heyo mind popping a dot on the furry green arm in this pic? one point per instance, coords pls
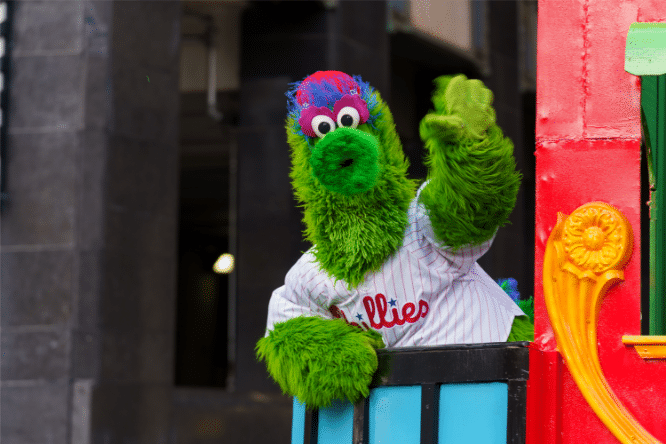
(472, 179)
(319, 360)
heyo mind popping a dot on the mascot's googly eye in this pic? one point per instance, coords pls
(353, 106)
(348, 117)
(322, 125)
(310, 127)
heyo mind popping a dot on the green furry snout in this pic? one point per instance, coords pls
(346, 161)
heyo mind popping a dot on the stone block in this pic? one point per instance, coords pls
(34, 355)
(90, 289)
(46, 91)
(138, 292)
(144, 124)
(98, 93)
(137, 356)
(132, 413)
(81, 419)
(138, 86)
(46, 26)
(147, 34)
(92, 189)
(41, 183)
(34, 414)
(145, 102)
(36, 287)
(86, 354)
(97, 16)
(143, 176)
(151, 236)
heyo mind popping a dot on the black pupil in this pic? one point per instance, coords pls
(324, 127)
(347, 120)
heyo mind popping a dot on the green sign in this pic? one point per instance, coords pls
(645, 53)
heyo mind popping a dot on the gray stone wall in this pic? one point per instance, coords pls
(88, 235)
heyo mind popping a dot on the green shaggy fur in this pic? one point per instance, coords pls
(473, 185)
(353, 235)
(320, 360)
(527, 305)
(522, 329)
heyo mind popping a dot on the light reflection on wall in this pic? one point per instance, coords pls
(224, 264)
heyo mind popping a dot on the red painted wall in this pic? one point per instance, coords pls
(588, 149)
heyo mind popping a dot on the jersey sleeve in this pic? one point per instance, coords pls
(303, 294)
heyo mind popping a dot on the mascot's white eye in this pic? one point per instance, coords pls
(322, 125)
(348, 117)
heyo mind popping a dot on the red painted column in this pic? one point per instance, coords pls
(589, 149)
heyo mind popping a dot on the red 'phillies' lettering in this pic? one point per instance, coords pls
(378, 306)
(338, 314)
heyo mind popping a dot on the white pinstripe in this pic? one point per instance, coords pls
(466, 306)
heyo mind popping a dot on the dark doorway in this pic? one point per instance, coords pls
(202, 330)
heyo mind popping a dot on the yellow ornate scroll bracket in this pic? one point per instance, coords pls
(584, 257)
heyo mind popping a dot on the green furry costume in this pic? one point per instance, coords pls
(350, 175)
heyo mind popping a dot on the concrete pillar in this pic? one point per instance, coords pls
(89, 234)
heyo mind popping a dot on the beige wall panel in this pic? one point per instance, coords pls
(447, 20)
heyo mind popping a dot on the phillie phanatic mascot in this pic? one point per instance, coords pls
(390, 265)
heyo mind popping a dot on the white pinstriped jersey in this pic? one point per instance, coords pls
(423, 295)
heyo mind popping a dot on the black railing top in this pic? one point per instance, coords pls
(452, 363)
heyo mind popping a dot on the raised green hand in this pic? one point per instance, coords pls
(463, 108)
(472, 174)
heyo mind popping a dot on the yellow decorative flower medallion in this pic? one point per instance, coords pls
(597, 237)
